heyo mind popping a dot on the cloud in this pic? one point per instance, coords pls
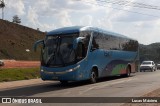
(129, 13)
(103, 23)
(64, 19)
(86, 20)
(60, 11)
(34, 20)
(15, 6)
(74, 5)
(32, 16)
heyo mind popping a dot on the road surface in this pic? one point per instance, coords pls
(137, 85)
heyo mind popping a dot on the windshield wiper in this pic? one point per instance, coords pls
(53, 54)
(60, 53)
(56, 52)
(50, 57)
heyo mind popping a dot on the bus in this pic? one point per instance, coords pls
(86, 53)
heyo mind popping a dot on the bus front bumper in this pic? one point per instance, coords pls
(69, 75)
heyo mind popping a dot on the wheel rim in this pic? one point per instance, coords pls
(93, 76)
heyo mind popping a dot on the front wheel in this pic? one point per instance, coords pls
(93, 78)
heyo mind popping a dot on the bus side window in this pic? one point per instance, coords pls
(94, 44)
(129, 45)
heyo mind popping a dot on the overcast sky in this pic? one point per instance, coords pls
(121, 16)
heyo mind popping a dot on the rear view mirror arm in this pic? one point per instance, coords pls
(38, 43)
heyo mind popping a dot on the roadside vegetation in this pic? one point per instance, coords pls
(18, 74)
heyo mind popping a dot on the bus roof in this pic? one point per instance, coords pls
(76, 29)
(65, 30)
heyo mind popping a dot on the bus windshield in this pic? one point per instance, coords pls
(58, 50)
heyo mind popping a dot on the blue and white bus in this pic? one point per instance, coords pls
(86, 53)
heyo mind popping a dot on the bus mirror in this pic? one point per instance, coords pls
(76, 41)
(38, 43)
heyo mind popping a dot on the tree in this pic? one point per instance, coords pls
(158, 52)
(2, 5)
(16, 19)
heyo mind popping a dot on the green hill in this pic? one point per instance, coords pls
(150, 52)
(15, 39)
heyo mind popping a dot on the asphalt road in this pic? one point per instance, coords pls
(137, 85)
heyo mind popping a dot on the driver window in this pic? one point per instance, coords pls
(81, 51)
(95, 45)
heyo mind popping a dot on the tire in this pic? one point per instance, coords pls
(93, 78)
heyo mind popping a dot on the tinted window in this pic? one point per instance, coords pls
(107, 42)
(128, 45)
(96, 42)
(112, 43)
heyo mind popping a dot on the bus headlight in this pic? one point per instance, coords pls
(73, 69)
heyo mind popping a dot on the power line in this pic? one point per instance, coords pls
(131, 4)
(121, 9)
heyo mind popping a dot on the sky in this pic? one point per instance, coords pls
(132, 18)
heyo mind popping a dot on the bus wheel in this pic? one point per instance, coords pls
(93, 78)
(63, 82)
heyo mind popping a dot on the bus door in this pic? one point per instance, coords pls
(81, 55)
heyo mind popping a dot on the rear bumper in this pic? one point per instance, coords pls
(146, 68)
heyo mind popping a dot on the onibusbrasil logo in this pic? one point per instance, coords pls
(21, 100)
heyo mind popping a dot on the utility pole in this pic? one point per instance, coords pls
(2, 5)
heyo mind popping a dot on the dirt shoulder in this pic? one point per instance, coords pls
(20, 64)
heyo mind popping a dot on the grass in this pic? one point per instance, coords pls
(15, 74)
